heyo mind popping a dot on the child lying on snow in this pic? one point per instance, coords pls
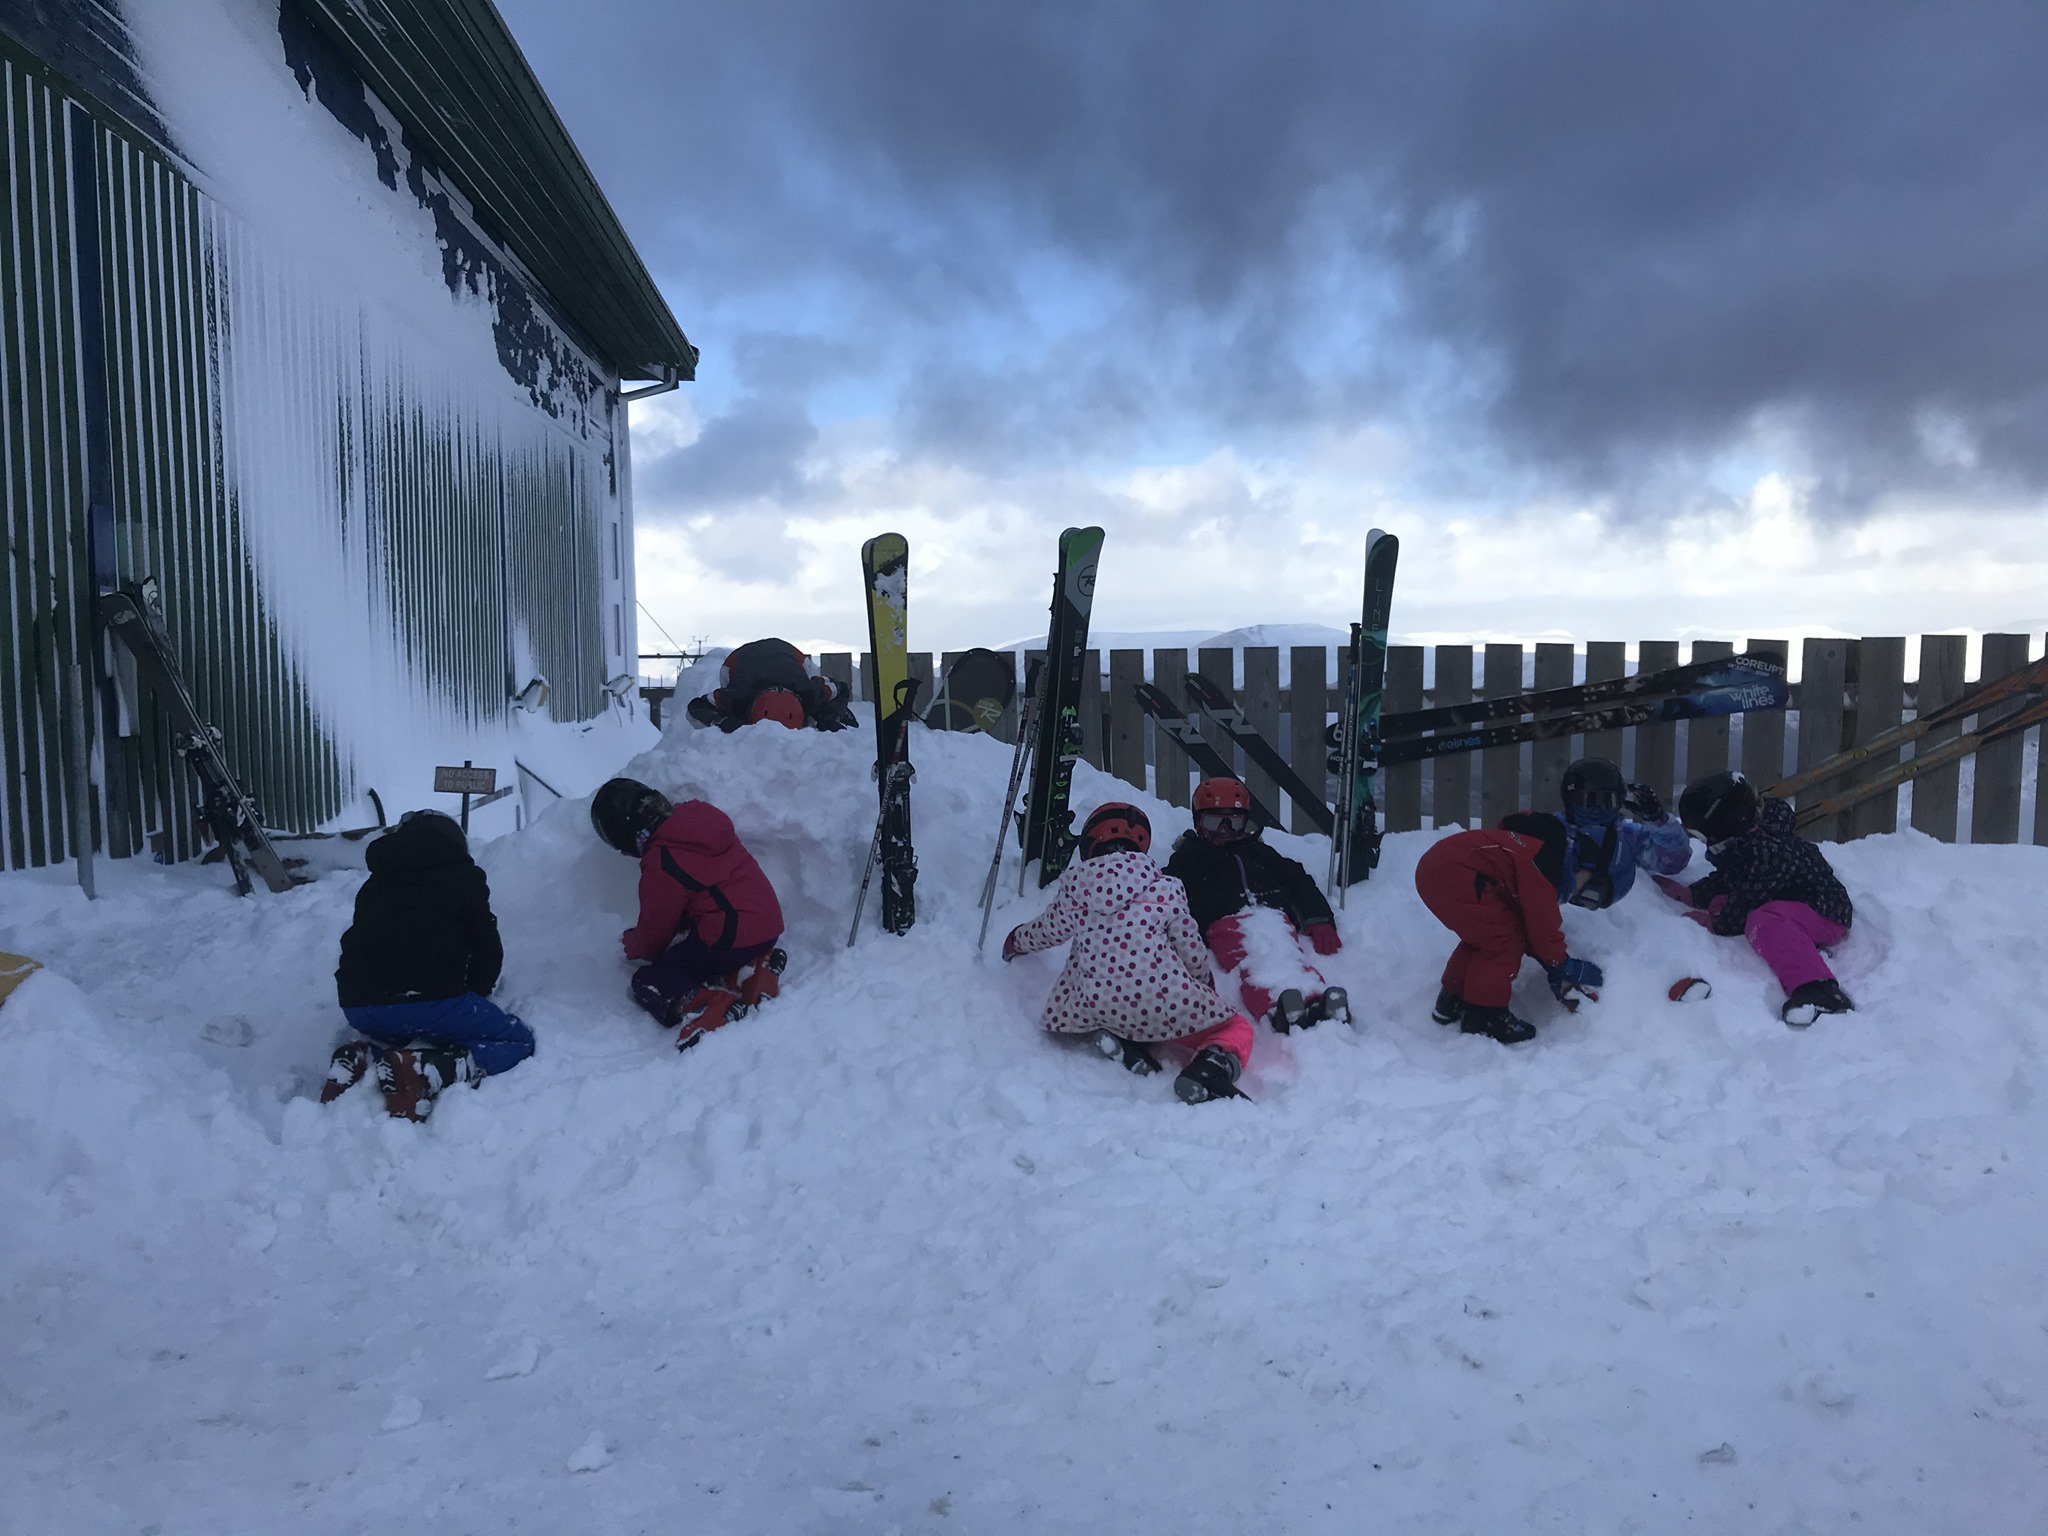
(1251, 901)
(1498, 890)
(1137, 972)
(417, 967)
(1771, 886)
(708, 916)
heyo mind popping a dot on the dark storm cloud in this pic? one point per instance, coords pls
(753, 452)
(1640, 230)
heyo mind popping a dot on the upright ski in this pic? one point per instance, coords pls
(1355, 847)
(1047, 828)
(1220, 707)
(885, 565)
(132, 614)
(1167, 716)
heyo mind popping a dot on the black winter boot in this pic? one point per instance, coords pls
(1449, 1007)
(1290, 1012)
(1497, 1024)
(1811, 999)
(1335, 1003)
(1136, 1056)
(1211, 1075)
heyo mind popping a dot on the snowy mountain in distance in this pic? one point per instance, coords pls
(1282, 635)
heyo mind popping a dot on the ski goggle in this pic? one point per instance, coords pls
(1606, 801)
(1233, 821)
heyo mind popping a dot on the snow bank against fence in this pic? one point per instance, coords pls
(882, 1257)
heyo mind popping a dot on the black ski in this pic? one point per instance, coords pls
(1167, 716)
(1220, 707)
(1047, 826)
(1697, 677)
(1355, 844)
(1754, 692)
(133, 614)
(885, 564)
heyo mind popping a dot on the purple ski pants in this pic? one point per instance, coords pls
(1790, 936)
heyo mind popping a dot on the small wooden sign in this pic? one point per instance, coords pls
(465, 780)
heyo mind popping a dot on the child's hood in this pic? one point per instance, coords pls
(699, 827)
(1111, 883)
(419, 842)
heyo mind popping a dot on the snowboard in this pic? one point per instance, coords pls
(974, 693)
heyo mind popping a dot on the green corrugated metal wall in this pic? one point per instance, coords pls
(467, 532)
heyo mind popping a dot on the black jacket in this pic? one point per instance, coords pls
(423, 925)
(1225, 878)
(1769, 863)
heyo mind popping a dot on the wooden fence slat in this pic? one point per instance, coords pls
(867, 677)
(1006, 729)
(2040, 785)
(1126, 719)
(1823, 671)
(1763, 730)
(1995, 793)
(919, 666)
(1706, 741)
(1657, 745)
(1219, 665)
(1262, 708)
(927, 699)
(1880, 706)
(1093, 732)
(1308, 710)
(1451, 777)
(1500, 768)
(1549, 759)
(1606, 659)
(1170, 763)
(838, 665)
(1935, 793)
(1403, 793)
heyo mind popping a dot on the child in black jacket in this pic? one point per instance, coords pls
(417, 965)
(1252, 903)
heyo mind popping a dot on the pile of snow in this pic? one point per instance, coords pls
(883, 1257)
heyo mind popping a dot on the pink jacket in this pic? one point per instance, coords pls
(1138, 967)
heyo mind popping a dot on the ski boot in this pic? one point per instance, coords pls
(1211, 1075)
(350, 1065)
(1290, 1012)
(1335, 1003)
(1136, 1056)
(1811, 999)
(412, 1077)
(1449, 1009)
(763, 978)
(709, 1007)
(1495, 1024)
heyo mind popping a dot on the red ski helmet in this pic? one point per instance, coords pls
(779, 705)
(1223, 810)
(1115, 826)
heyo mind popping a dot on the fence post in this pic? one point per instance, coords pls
(1607, 659)
(1880, 705)
(1657, 745)
(1549, 759)
(1763, 730)
(838, 665)
(1942, 661)
(1451, 777)
(1404, 780)
(1995, 794)
(1092, 751)
(1262, 708)
(1823, 670)
(1706, 741)
(1308, 709)
(1219, 665)
(919, 667)
(1126, 719)
(1500, 768)
(1169, 761)
(2041, 785)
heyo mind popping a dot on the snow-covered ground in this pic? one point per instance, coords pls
(884, 1258)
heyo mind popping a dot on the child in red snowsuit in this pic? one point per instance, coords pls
(708, 916)
(1497, 890)
(1137, 972)
(1254, 904)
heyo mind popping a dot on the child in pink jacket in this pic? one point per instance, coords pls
(1138, 971)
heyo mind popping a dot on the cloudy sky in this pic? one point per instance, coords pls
(1633, 321)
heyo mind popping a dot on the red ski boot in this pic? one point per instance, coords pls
(763, 979)
(708, 1008)
(351, 1064)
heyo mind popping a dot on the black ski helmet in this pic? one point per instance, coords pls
(1115, 825)
(1719, 806)
(1593, 784)
(622, 809)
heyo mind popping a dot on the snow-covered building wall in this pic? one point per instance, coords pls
(311, 312)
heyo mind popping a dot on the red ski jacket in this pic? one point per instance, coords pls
(696, 872)
(1484, 885)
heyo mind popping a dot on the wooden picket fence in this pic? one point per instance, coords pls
(1846, 691)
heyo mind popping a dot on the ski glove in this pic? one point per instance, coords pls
(1574, 976)
(1677, 890)
(1010, 949)
(1643, 802)
(1324, 937)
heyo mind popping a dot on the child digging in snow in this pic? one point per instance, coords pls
(1137, 974)
(417, 968)
(708, 916)
(1252, 904)
(1771, 886)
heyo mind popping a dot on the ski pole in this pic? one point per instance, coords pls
(995, 865)
(860, 901)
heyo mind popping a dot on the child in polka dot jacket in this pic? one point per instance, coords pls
(1138, 972)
